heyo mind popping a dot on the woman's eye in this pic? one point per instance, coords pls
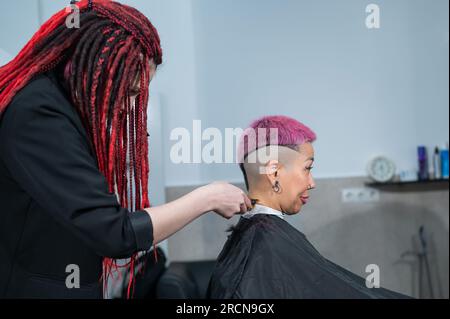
(310, 168)
(134, 92)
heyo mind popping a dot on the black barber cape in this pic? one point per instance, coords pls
(56, 212)
(266, 257)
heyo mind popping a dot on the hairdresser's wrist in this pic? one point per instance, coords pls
(204, 197)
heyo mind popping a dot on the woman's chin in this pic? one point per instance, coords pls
(295, 209)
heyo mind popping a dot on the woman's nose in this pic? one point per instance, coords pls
(312, 183)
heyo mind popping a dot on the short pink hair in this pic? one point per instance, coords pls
(290, 133)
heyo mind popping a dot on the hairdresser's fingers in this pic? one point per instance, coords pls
(248, 202)
(243, 208)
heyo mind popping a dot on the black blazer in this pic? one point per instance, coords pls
(55, 206)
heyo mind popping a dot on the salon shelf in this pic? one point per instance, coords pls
(397, 186)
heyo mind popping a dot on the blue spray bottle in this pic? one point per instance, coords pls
(444, 162)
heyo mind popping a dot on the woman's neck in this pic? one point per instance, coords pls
(264, 200)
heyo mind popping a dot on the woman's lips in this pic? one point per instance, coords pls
(304, 199)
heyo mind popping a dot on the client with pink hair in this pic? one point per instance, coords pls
(264, 256)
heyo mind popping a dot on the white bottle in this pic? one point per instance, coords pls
(437, 163)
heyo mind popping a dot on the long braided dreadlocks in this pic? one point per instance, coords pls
(114, 47)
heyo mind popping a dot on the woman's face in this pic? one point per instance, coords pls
(295, 180)
(136, 86)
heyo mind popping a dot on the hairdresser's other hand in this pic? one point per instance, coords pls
(225, 199)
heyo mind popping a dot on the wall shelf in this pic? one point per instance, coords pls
(426, 185)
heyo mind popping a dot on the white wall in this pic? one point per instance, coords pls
(19, 20)
(5, 57)
(365, 92)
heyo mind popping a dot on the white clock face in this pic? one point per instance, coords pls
(381, 169)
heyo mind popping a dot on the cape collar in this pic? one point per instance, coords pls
(260, 209)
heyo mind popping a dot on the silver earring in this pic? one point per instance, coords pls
(276, 187)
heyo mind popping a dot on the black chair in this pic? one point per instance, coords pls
(185, 280)
(148, 272)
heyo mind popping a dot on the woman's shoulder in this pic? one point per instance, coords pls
(41, 102)
(41, 89)
(40, 96)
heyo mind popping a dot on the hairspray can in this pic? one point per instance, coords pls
(423, 163)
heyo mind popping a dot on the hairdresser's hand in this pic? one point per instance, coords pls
(220, 197)
(226, 200)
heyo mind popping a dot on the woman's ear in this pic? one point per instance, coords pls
(271, 171)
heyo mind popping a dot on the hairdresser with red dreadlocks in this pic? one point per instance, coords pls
(73, 107)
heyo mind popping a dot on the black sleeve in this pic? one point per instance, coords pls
(46, 154)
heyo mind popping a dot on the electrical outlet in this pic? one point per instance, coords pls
(360, 195)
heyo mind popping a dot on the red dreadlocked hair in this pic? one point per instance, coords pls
(99, 61)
